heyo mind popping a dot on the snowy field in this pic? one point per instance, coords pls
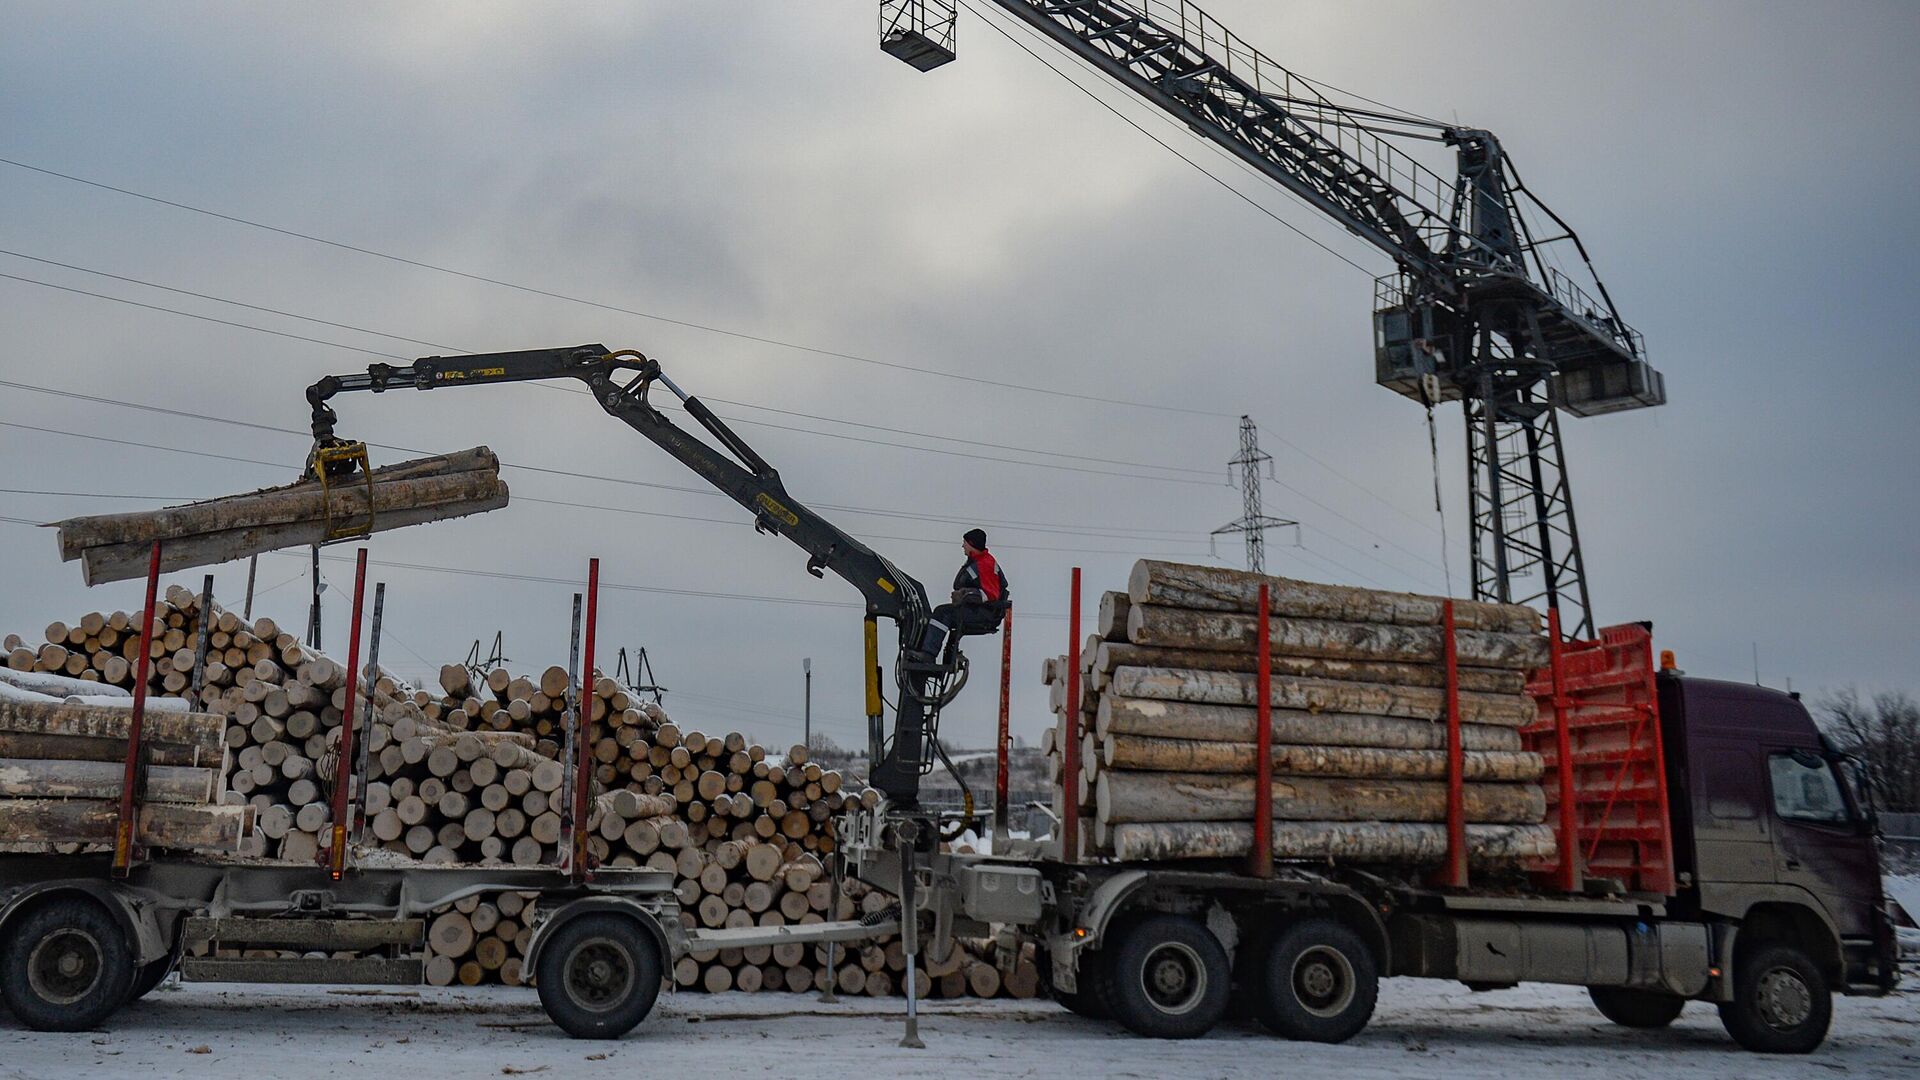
(1422, 1028)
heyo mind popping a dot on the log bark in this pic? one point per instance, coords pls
(60, 686)
(1135, 752)
(28, 779)
(217, 829)
(1117, 654)
(1290, 692)
(1362, 841)
(1119, 716)
(469, 474)
(1122, 797)
(204, 731)
(1111, 624)
(1218, 588)
(1185, 628)
(124, 562)
(82, 748)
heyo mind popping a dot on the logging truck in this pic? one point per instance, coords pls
(1710, 845)
(1737, 864)
(1749, 878)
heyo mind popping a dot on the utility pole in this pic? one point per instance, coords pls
(806, 666)
(1253, 523)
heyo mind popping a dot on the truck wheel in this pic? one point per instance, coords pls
(1320, 983)
(599, 975)
(1169, 979)
(1636, 1008)
(1781, 1003)
(66, 967)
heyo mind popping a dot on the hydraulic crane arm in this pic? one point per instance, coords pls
(744, 476)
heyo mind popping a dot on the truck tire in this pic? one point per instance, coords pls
(1319, 982)
(67, 966)
(1168, 979)
(1781, 1003)
(1636, 1008)
(599, 975)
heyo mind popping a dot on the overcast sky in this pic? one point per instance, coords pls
(1743, 174)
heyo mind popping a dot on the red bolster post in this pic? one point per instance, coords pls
(335, 857)
(131, 779)
(1262, 856)
(1566, 876)
(1454, 873)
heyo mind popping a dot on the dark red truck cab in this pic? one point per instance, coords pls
(1773, 831)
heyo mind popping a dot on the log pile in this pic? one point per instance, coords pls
(116, 547)
(471, 773)
(1166, 726)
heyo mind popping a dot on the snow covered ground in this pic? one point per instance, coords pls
(1422, 1028)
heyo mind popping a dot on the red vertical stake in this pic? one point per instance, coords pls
(583, 765)
(1454, 873)
(1070, 750)
(1566, 875)
(334, 858)
(1000, 824)
(123, 827)
(1262, 861)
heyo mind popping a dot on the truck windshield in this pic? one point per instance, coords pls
(1805, 789)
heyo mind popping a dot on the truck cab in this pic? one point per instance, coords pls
(1773, 830)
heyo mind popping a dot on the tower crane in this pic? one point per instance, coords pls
(1493, 301)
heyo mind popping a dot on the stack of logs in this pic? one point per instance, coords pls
(474, 774)
(63, 760)
(1167, 722)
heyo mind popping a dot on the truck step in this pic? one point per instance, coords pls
(365, 972)
(328, 935)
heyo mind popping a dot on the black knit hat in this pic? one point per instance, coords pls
(976, 537)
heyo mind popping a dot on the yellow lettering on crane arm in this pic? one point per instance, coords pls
(772, 506)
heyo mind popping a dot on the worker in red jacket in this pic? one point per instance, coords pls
(981, 597)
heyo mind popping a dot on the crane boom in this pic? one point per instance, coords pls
(1480, 309)
(735, 468)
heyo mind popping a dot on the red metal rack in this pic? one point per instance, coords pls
(1599, 731)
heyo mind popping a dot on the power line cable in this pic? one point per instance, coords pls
(1290, 226)
(532, 290)
(1302, 451)
(582, 392)
(549, 502)
(1061, 528)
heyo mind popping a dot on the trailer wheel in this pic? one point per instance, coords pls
(1169, 979)
(66, 967)
(599, 975)
(1781, 1003)
(1636, 1008)
(1320, 983)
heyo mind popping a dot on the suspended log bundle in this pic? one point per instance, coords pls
(1167, 721)
(116, 547)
